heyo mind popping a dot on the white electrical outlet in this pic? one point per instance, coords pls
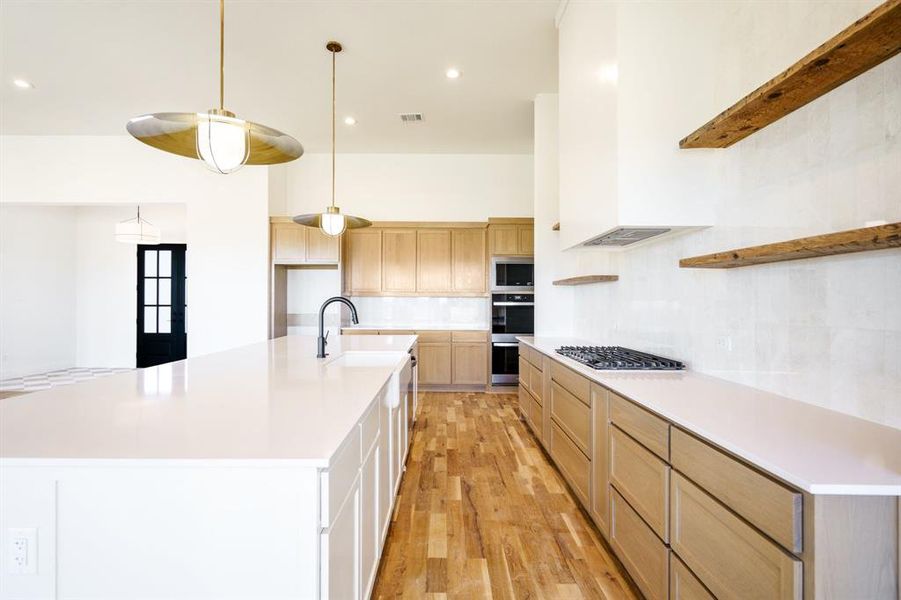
(23, 551)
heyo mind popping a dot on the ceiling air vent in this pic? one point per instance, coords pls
(411, 117)
(624, 236)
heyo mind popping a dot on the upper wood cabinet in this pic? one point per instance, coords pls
(435, 270)
(469, 263)
(296, 244)
(363, 261)
(511, 237)
(399, 260)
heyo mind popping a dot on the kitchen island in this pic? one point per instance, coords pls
(259, 472)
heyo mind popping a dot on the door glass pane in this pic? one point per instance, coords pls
(150, 263)
(149, 319)
(165, 320)
(165, 291)
(165, 263)
(149, 290)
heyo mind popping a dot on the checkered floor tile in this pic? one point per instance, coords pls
(43, 381)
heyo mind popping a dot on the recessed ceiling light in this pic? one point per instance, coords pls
(453, 73)
(350, 121)
(22, 84)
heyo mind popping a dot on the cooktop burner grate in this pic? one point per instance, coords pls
(618, 358)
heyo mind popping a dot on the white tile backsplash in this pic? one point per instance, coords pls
(825, 330)
(422, 311)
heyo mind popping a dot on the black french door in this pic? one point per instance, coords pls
(161, 304)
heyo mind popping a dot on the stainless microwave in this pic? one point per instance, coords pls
(512, 274)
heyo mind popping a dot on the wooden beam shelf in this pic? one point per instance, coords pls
(555, 227)
(586, 279)
(880, 237)
(870, 40)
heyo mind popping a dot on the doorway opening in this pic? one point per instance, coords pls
(161, 329)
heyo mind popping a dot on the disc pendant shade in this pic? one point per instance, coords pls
(332, 222)
(137, 231)
(222, 141)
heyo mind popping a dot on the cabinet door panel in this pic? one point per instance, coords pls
(600, 462)
(504, 240)
(369, 522)
(364, 260)
(435, 363)
(527, 239)
(469, 260)
(399, 260)
(321, 248)
(470, 363)
(288, 242)
(341, 565)
(434, 271)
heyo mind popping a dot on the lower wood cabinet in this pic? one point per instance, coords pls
(435, 363)
(572, 462)
(644, 554)
(729, 556)
(642, 478)
(600, 459)
(470, 363)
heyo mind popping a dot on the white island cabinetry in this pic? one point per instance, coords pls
(271, 475)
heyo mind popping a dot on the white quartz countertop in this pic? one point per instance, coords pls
(422, 327)
(815, 449)
(268, 401)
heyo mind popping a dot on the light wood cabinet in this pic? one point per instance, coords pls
(321, 248)
(469, 264)
(642, 478)
(511, 237)
(642, 552)
(293, 244)
(434, 272)
(572, 416)
(288, 242)
(572, 462)
(363, 264)
(729, 556)
(650, 430)
(435, 363)
(470, 364)
(399, 260)
(683, 585)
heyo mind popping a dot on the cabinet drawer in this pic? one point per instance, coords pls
(470, 336)
(524, 371)
(650, 430)
(434, 336)
(683, 585)
(396, 332)
(571, 416)
(535, 382)
(537, 419)
(729, 556)
(644, 555)
(575, 384)
(525, 403)
(575, 467)
(770, 506)
(642, 479)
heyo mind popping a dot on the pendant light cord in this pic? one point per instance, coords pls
(221, 54)
(333, 128)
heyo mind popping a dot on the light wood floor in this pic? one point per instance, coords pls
(483, 514)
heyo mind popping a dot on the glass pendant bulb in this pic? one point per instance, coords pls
(332, 222)
(223, 142)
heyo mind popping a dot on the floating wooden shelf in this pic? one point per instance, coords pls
(586, 279)
(880, 237)
(555, 227)
(872, 39)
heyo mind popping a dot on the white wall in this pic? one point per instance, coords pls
(825, 331)
(105, 281)
(227, 218)
(37, 289)
(307, 290)
(408, 187)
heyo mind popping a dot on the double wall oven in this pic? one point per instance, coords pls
(512, 314)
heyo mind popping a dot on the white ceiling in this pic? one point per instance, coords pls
(95, 64)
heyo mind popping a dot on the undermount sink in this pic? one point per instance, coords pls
(361, 358)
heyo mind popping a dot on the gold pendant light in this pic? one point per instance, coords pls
(332, 222)
(222, 141)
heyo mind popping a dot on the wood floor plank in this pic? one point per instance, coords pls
(484, 514)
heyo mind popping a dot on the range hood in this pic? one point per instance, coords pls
(626, 236)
